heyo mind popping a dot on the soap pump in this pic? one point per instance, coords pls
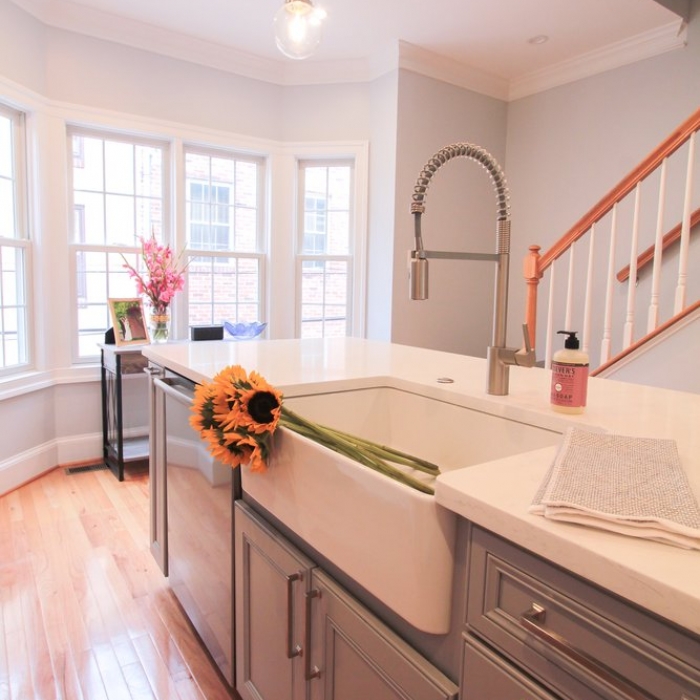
(569, 376)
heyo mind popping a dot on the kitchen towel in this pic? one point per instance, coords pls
(630, 485)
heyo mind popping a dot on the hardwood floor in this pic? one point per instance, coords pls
(85, 612)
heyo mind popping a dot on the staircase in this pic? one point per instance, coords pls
(627, 274)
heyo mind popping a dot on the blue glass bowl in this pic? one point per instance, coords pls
(244, 331)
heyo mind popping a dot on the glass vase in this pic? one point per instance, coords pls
(159, 325)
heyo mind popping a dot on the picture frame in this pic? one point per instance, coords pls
(128, 321)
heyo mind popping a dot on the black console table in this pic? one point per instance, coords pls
(117, 362)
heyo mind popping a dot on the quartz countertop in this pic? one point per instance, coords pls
(659, 577)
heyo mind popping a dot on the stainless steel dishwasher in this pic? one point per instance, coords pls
(200, 493)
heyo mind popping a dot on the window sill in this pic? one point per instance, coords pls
(28, 382)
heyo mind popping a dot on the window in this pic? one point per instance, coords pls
(325, 260)
(14, 245)
(224, 196)
(118, 197)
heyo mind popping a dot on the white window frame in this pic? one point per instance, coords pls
(74, 247)
(356, 256)
(21, 241)
(260, 253)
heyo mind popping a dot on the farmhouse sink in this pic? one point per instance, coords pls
(393, 540)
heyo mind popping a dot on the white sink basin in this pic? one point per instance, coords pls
(393, 540)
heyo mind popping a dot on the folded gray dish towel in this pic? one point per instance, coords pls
(630, 485)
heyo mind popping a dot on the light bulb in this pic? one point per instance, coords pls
(298, 26)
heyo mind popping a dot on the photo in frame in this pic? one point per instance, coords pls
(129, 321)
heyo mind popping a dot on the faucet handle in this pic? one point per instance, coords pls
(525, 357)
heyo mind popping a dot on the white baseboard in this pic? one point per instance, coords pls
(30, 464)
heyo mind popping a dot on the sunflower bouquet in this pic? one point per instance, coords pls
(237, 414)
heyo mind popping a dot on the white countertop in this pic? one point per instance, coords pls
(659, 577)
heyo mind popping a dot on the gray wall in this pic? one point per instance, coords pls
(382, 196)
(460, 214)
(568, 146)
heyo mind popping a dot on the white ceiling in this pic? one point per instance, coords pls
(487, 39)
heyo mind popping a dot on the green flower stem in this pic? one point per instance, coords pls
(392, 454)
(382, 451)
(348, 450)
(362, 451)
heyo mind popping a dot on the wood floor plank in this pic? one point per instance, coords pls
(4, 665)
(91, 682)
(85, 613)
(39, 657)
(189, 645)
(17, 645)
(162, 683)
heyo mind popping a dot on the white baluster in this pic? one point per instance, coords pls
(653, 315)
(550, 316)
(628, 332)
(568, 316)
(607, 323)
(589, 293)
(685, 231)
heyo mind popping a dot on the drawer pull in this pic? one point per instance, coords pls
(292, 649)
(533, 621)
(309, 671)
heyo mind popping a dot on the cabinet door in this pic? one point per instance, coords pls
(485, 676)
(355, 655)
(271, 578)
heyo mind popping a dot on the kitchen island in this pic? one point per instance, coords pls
(495, 496)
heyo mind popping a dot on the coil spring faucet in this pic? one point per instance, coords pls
(499, 357)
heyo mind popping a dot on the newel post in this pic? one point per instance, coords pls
(533, 275)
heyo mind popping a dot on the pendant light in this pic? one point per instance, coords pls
(298, 26)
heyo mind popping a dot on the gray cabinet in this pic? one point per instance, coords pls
(574, 639)
(356, 656)
(486, 675)
(271, 582)
(299, 634)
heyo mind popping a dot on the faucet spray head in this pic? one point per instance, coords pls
(418, 263)
(418, 276)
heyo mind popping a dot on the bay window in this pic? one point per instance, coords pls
(118, 196)
(225, 242)
(15, 251)
(326, 245)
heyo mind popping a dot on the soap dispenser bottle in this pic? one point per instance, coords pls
(569, 376)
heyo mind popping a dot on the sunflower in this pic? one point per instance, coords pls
(237, 414)
(202, 417)
(260, 410)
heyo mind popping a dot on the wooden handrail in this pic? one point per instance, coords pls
(649, 336)
(625, 186)
(536, 263)
(648, 255)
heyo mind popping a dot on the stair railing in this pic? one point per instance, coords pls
(586, 296)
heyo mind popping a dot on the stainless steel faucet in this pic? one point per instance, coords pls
(499, 357)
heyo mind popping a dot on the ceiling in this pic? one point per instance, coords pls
(488, 40)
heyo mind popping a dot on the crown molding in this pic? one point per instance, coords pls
(433, 65)
(658, 41)
(82, 19)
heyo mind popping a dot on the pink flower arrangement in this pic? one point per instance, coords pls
(164, 276)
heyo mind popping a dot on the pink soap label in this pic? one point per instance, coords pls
(569, 384)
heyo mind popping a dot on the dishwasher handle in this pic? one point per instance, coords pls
(180, 390)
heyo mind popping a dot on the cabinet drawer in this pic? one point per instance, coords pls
(572, 635)
(486, 676)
